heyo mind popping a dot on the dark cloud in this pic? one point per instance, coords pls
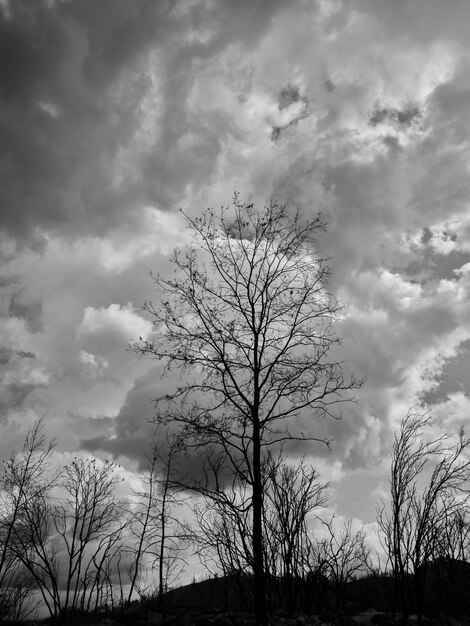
(73, 77)
(288, 95)
(430, 266)
(130, 434)
(56, 135)
(31, 312)
(328, 85)
(108, 108)
(132, 429)
(26, 355)
(30, 39)
(82, 428)
(405, 117)
(426, 236)
(5, 355)
(13, 397)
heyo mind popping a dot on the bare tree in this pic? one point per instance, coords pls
(454, 540)
(141, 526)
(415, 524)
(292, 494)
(89, 520)
(224, 530)
(17, 599)
(341, 555)
(153, 523)
(68, 532)
(98, 588)
(248, 320)
(24, 478)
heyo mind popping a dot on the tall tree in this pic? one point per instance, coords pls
(248, 319)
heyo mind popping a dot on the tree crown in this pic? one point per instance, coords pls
(248, 319)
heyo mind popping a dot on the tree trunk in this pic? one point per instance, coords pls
(419, 595)
(257, 499)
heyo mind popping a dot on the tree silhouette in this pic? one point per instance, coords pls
(416, 525)
(153, 524)
(60, 529)
(223, 532)
(23, 478)
(248, 321)
(339, 556)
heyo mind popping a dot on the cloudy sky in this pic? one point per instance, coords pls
(113, 114)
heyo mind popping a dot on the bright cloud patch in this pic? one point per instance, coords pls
(105, 328)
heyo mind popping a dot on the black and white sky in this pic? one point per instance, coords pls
(115, 113)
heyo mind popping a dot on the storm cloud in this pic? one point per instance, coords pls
(113, 114)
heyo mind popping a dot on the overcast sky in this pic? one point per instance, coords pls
(115, 113)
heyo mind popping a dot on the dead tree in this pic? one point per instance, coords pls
(293, 493)
(340, 555)
(24, 476)
(157, 541)
(68, 533)
(248, 320)
(223, 532)
(414, 526)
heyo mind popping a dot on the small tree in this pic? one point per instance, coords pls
(454, 540)
(89, 520)
(339, 556)
(153, 522)
(67, 531)
(414, 527)
(224, 530)
(24, 476)
(292, 494)
(247, 318)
